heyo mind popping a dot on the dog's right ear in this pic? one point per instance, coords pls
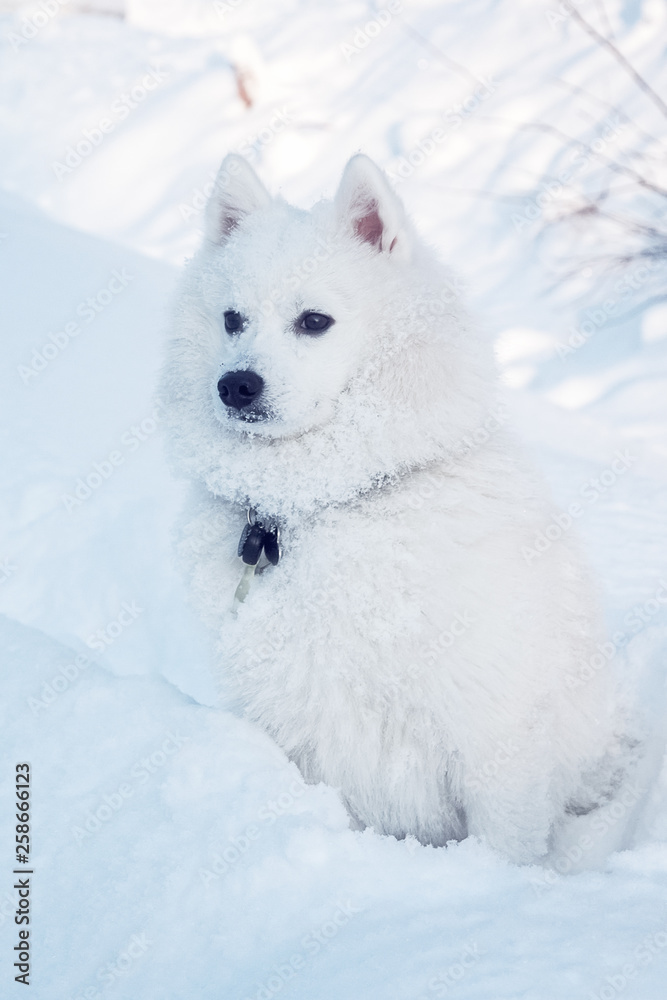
(237, 192)
(367, 207)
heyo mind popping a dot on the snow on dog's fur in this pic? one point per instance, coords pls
(406, 650)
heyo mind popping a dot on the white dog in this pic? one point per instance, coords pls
(389, 622)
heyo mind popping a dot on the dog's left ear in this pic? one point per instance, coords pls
(237, 192)
(367, 207)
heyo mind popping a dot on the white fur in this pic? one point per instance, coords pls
(404, 506)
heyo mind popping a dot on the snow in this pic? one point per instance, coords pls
(300, 906)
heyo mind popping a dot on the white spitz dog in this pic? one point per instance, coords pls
(389, 620)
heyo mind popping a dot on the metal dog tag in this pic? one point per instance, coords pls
(244, 586)
(254, 540)
(272, 549)
(251, 543)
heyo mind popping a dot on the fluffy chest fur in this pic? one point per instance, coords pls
(402, 648)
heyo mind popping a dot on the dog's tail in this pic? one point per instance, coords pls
(629, 815)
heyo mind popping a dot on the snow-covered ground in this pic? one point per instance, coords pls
(177, 854)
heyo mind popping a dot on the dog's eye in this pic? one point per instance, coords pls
(234, 322)
(313, 322)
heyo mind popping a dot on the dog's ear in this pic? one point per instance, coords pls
(237, 192)
(366, 206)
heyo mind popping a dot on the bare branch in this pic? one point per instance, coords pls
(612, 164)
(625, 223)
(621, 60)
(575, 89)
(604, 16)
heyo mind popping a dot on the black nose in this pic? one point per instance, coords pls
(239, 389)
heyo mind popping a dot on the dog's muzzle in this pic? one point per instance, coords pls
(239, 389)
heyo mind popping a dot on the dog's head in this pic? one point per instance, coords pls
(292, 297)
(326, 342)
